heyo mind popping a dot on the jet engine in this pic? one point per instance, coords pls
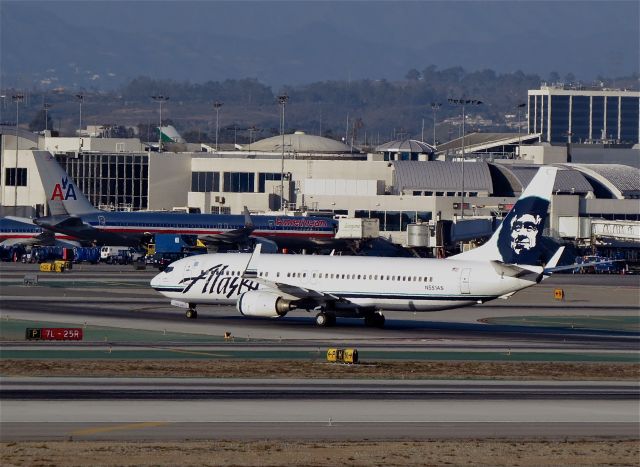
(264, 304)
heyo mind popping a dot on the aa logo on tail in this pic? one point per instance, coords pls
(64, 190)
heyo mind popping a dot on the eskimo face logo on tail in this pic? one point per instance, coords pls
(524, 231)
(64, 190)
(521, 232)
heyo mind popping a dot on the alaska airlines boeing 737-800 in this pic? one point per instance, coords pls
(271, 285)
(72, 214)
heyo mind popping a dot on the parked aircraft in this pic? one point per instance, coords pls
(23, 231)
(334, 286)
(73, 214)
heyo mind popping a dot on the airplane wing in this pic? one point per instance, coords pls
(232, 237)
(75, 227)
(581, 265)
(291, 292)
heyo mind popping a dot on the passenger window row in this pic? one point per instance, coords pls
(374, 277)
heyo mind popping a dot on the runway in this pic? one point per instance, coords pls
(326, 409)
(105, 295)
(74, 388)
(124, 319)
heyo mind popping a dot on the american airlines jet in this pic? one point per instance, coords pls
(72, 214)
(271, 285)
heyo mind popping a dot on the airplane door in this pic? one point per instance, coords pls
(102, 220)
(464, 281)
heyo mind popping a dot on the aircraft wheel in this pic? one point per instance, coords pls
(374, 320)
(325, 319)
(321, 319)
(191, 314)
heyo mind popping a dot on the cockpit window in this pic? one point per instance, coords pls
(168, 269)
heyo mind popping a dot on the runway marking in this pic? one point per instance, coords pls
(127, 426)
(192, 352)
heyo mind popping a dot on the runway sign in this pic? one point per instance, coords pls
(54, 334)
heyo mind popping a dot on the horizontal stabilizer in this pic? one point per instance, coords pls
(512, 270)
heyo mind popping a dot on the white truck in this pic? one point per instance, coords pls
(120, 254)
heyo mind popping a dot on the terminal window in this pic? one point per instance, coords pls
(10, 178)
(267, 177)
(629, 113)
(239, 182)
(205, 182)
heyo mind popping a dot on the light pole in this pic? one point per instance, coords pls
(520, 106)
(160, 99)
(463, 103)
(80, 98)
(252, 129)
(46, 106)
(434, 107)
(2, 107)
(17, 99)
(282, 99)
(217, 105)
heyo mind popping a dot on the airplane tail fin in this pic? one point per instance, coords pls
(518, 240)
(63, 196)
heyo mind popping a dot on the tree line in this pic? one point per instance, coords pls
(377, 110)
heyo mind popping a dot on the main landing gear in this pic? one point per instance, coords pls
(374, 320)
(191, 313)
(325, 319)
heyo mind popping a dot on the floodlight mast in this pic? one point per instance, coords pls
(520, 106)
(435, 106)
(282, 100)
(160, 99)
(80, 98)
(216, 106)
(463, 103)
(17, 98)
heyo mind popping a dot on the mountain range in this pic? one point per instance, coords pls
(102, 44)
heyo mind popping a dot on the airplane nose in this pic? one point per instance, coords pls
(155, 281)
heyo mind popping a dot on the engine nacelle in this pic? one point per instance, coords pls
(264, 304)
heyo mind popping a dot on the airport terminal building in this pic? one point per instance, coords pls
(330, 179)
(399, 183)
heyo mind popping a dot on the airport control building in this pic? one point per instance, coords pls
(576, 114)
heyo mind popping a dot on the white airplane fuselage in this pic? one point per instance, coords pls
(408, 284)
(271, 285)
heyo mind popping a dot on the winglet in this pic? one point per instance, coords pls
(248, 222)
(251, 272)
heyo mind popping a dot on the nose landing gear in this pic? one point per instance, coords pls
(191, 312)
